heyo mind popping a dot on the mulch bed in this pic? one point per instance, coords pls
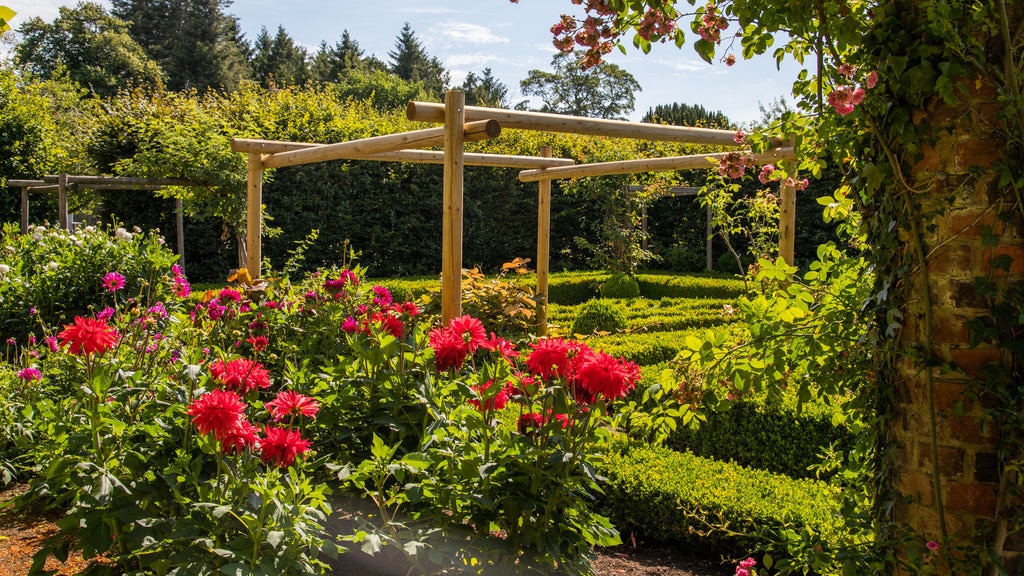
(22, 533)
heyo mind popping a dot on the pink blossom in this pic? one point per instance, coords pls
(740, 135)
(847, 70)
(872, 79)
(932, 546)
(845, 98)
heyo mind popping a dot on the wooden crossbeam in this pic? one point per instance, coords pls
(480, 130)
(692, 162)
(250, 146)
(524, 120)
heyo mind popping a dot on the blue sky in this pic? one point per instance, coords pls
(511, 39)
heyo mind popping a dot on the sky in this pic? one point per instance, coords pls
(511, 39)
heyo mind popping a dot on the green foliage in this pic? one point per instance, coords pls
(506, 305)
(485, 90)
(708, 506)
(90, 46)
(598, 316)
(50, 276)
(620, 285)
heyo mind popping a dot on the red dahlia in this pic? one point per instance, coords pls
(450, 349)
(604, 374)
(217, 412)
(88, 336)
(470, 330)
(290, 403)
(280, 446)
(240, 375)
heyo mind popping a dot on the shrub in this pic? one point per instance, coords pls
(774, 438)
(572, 290)
(620, 286)
(50, 275)
(598, 316)
(710, 506)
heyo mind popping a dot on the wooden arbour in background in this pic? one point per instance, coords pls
(62, 183)
(485, 123)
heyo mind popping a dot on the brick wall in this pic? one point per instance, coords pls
(961, 207)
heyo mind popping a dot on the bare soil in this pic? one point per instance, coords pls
(22, 532)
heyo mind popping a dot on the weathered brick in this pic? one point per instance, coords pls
(952, 259)
(968, 224)
(1014, 252)
(973, 360)
(964, 294)
(976, 430)
(951, 459)
(917, 486)
(976, 153)
(977, 499)
(949, 328)
(931, 160)
(950, 395)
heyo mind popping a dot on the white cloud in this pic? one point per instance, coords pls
(466, 32)
(684, 65)
(474, 61)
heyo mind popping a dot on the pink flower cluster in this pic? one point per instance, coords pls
(593, 33)
(712, 24)
(745, 566)
(655, 25)
(845, 97)
(181, 286)
(734, 164)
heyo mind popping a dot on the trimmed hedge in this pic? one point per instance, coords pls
(773, 438)
(667, 496)
(620, 285)
(657, 285)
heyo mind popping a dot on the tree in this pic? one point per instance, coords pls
(678, 114)
(278, 60)
(195, 43)
(485, 90)
(92, 47)
(601, 91)
(410, 61)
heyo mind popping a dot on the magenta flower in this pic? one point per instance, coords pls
(932, 546)
(113, 281)
(29, 374)
(872, 79)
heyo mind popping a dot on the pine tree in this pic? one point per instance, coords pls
(686, 115)
(194, 41)
(410, 61)
(332, 63)
(278, 60)
(485, 90)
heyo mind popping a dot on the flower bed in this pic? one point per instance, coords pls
(199, 432)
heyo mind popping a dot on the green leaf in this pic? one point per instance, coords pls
(704, 49)
(274, 537)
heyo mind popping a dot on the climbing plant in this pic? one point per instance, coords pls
(883, 86)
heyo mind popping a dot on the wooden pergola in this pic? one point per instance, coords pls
(479, 123)
(62, 183)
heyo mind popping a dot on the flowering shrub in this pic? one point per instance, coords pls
(50, 275)
(196, 432)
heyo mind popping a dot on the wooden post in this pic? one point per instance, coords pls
(543, 247)
(451, 241)
(707, 247)
(24, 210)
(179, 221)
(787, 222)
(253, 211)
(62, 202)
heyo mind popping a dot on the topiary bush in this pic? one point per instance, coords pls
(598, 316)
(620, 286)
